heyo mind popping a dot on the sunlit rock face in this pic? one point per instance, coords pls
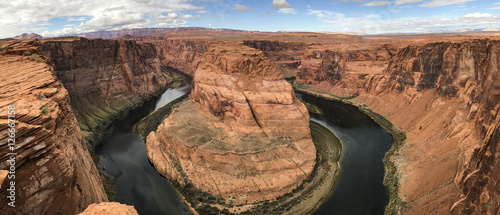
(243, 135)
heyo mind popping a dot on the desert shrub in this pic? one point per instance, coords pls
(27, 53)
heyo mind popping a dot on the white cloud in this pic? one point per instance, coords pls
(24, 16)
(377, 3)
(439, 3)
(378, 23)
(494, 8)
(279, 4)
(240, 7)
(287, 11)
(399, 2)
(202, 11)
(77, 19)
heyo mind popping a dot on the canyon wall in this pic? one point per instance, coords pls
(286, 56)
(183, 54)
(445, 97)
(243, 136)
(54, 173)
(105, 78)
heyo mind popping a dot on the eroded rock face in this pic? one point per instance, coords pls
(445, 97)
(105, 78)
(287, 56)
(183, 54)
(54, 171)
(466, 71)
(109, 208)
(244, 136)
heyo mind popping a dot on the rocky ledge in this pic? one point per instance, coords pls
(243, 136)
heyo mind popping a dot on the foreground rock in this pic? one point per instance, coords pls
(54, 173)
(109, 208)
(244, 136)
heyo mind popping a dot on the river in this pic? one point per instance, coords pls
(359, 189)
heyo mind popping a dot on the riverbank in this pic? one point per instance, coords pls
(391, 180)
(303, 200)
(94, 139)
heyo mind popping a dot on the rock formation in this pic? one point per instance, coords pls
(243, 136)
(54, 173)
(445, 97)
(109, 208)
(105, 78)
(183, 54)
(287, 56)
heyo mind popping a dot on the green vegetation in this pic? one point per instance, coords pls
(108, 184)
(390, 179)
(311, 108)
(27, 53)
(45, 109)
(1, 49)
(151, 122)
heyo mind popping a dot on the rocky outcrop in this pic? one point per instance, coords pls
(339, 65)
(28, 36)
(54, 173)
(445, 97)
(468, 72)
(287, 56)
(109, 208)
(185, 55)
(243, 136)
(105, 78)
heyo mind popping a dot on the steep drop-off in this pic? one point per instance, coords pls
(287, 56)
(445, 97)
(243, 136)
(54, 171)
(105, 78)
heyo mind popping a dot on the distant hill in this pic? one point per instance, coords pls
(28, 36)
(142, 31)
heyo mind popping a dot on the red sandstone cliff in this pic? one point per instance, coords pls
(287, 56)
(105, 78)
(244, 136)
(445, 97)
(54, 171)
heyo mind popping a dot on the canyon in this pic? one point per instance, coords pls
(243, 136)
(441, 91)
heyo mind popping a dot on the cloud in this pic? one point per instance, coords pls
(287, 11)
(399, 2)
(240, 7)
(24, 16)
(377, 3)
(202, 11)
(280, 4)
(77, 19)
(379, 23)
(439, 3)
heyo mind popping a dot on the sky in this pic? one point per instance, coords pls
(63, 17)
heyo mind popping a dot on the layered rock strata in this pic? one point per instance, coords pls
(105, 78)
(445, 97)
(287, 56)
(54, 173)
(243, 136)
